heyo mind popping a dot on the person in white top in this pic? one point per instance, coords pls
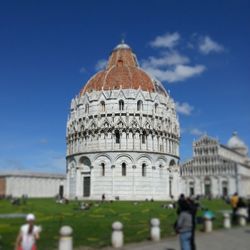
(29, 233)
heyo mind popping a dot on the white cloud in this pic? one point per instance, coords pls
(167, 59)
(184, 108)
(166, 41)
(101, 64)
(196, 132)
(207, 45)
(176, 74)
(170, 65)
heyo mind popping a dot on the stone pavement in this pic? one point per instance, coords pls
(232, 239)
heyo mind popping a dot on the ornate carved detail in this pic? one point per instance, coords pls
(88, 129)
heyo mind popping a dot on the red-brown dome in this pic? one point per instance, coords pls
(122, 72)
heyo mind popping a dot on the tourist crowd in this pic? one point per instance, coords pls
(187, 219)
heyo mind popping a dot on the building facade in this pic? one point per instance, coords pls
(217, 170)
(19, 183)
(123, 135)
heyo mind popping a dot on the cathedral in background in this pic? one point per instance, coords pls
(217, 170)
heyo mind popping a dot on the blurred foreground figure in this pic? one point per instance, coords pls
(184, 226)
(234, 202)
(180, 203)
(29, 233)
(193, 207)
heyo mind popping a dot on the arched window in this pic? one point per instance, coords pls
(156, 108)
(121, 105)
(103, 108)
(172, 163)
(224, 188)
(87, 108)
(103, 169)
(124, 169)
(208, 186)
(191, 188)
(143, 139)
(143, 169)
(117, 137)
(139, 105)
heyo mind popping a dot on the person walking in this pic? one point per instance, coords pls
(28, 235)
(184, 227)
(234, 201)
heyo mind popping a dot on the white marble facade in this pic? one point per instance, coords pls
(123, 143)
(217, 170)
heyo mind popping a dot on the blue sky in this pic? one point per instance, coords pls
(49, 49)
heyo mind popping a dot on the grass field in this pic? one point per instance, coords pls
(93, 227)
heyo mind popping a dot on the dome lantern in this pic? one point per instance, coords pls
(236, 144)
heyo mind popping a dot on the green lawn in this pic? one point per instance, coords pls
(92, 227)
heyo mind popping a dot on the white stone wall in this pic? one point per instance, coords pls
(234, 156)
(148, 135)
(216, 185)
(243, 173)
(33, 186)
(133, 186)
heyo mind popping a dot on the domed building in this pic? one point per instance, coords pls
(217, 170)
(236, 144)
(123, 135)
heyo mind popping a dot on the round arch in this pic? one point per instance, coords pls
(172, 163)
(85, 161)
(144, 156)
(103, 156)
(124, 156)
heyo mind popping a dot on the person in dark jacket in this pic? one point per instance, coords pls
(234, 201)
(241, 203)
(193, 210)
(248, 210)
(180, 203)
(184, 226)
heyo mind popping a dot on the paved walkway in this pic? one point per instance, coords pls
(12, 216)
(232, 239)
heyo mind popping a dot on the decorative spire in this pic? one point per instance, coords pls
(123, 36)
